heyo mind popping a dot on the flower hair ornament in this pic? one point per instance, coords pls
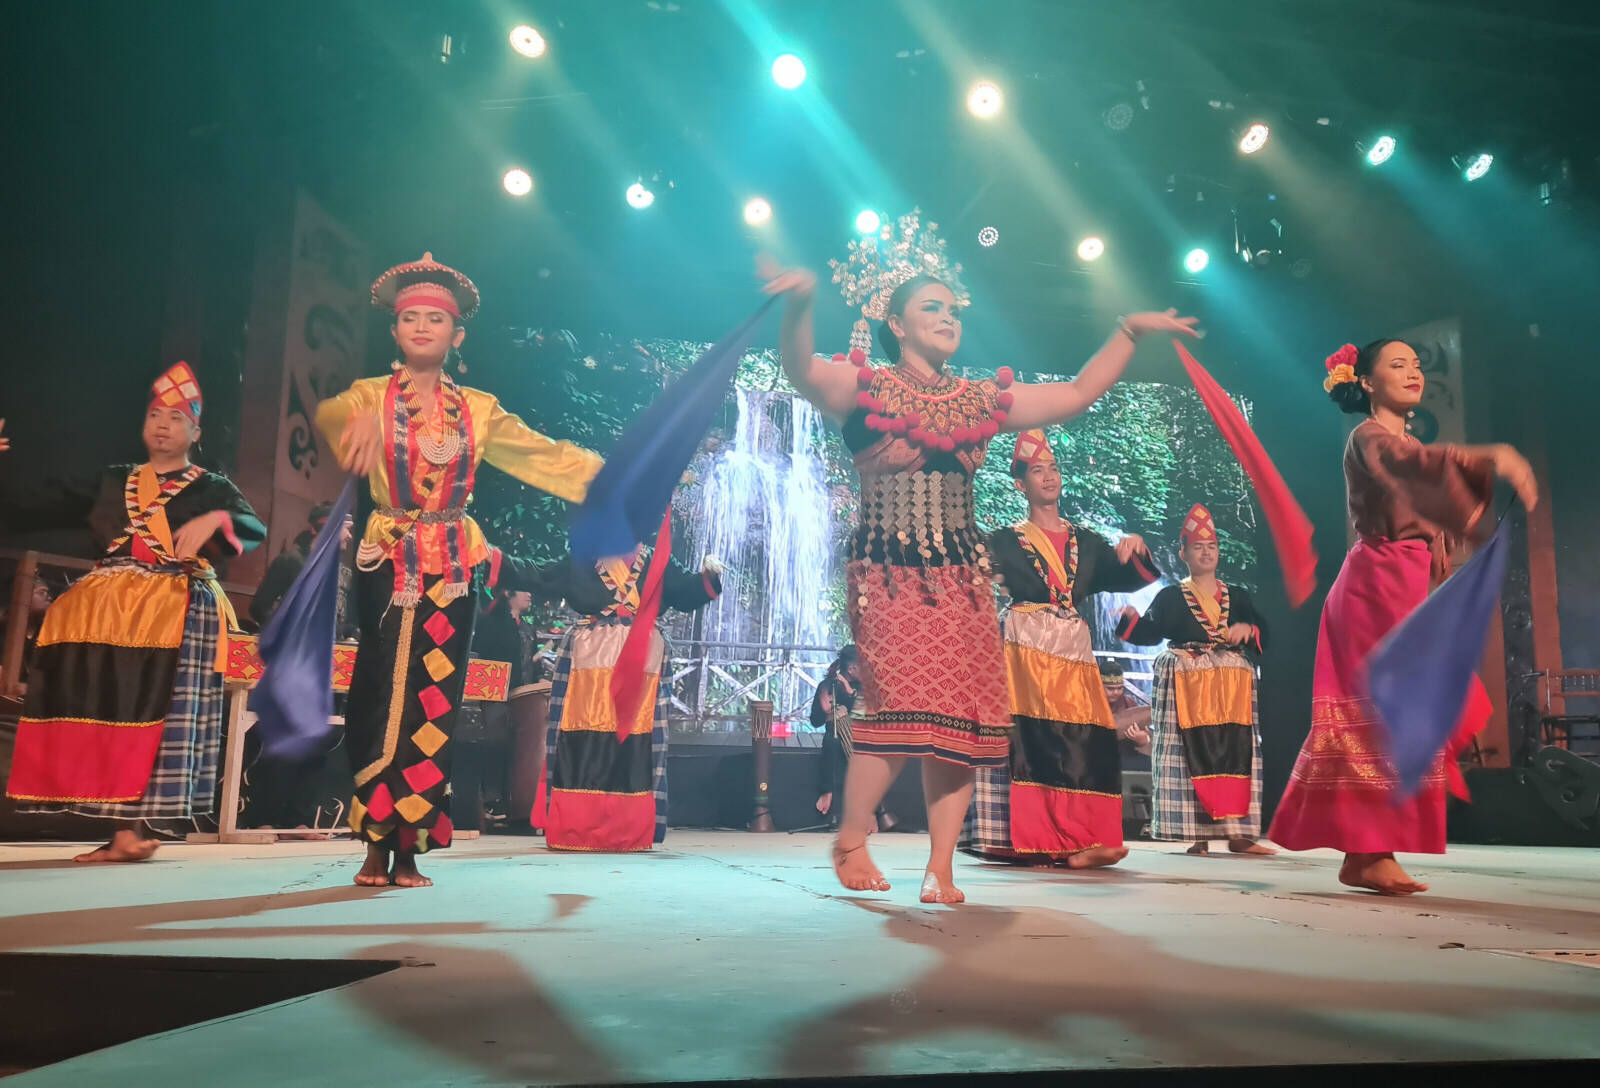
(1341, 367)
(878, 264)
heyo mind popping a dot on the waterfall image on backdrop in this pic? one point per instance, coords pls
(760, 501)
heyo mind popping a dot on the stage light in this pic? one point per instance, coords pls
(1476, 166)
(517, 182)
(527, 41)
(1254, 138)
(988, 236)
(757, 212)
(868, 222)
(1381, 151)
(984, 100)
(639, 196)
(788, 71)
(1091, 249)
(1197, 260)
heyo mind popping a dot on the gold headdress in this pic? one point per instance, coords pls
(880, 263)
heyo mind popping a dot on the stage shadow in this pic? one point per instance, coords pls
(1180, 1011)
(480, 1007)
(157, 923)
(1581, 924)
(476, 1005)
(1114, 876)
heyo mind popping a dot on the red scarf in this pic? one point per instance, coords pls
(627, 676)
(1291, 529)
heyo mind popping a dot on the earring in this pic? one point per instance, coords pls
(395, 366)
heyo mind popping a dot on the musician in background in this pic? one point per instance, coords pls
(1131, 718)
(835, 697)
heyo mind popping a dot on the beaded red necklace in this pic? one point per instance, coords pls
(943, 417)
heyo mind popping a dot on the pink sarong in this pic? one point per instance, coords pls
(1342, 793)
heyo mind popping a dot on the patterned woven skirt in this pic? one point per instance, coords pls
(933, 674)
(405, 693)
(1061, 792)
(1178, 814)
(602, 794)
(1342, 792)
(125, 704)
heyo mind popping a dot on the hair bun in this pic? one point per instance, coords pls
(1351, 398)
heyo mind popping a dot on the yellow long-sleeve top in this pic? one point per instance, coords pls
(432, 534)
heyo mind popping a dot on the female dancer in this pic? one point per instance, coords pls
(1207, 742)
(1409, 504)
(933, 681)
(1060, 797)
(123, 718)
(419, 437)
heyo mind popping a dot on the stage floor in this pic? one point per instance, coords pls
(731, 955)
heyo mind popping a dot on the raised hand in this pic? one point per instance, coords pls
(193, 534)
(800, 284)
(361, 445)
(1141, 325)
(1131, 545)
(1514, 469)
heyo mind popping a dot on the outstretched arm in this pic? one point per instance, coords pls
(829, 385)
(1041, 405)
(1152, 627)
(561, 468)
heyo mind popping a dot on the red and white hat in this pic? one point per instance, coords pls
(425, 283)
(1198, 526)
(177, 388)
(1032, 448)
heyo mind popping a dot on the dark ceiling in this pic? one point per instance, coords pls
(136, 112)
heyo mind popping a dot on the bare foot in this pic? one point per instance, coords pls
(405, 875)
(854, 868)
(939, 888)
(1097, 857)
(1199, 848)
(1250, 846)
(375, 871)
(1379, 873)
(124, 846)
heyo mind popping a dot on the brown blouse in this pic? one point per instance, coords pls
(1400, 489)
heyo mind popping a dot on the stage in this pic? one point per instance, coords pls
(732, 955)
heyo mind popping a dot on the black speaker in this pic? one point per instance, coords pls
(1553, 800)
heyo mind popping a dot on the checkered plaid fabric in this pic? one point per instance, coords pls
(1178, 815)
(183, 781)
(988, 825)
(658, 729)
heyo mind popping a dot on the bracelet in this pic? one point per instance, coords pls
(1122, 327)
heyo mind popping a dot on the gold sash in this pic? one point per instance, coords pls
(1041, 543)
